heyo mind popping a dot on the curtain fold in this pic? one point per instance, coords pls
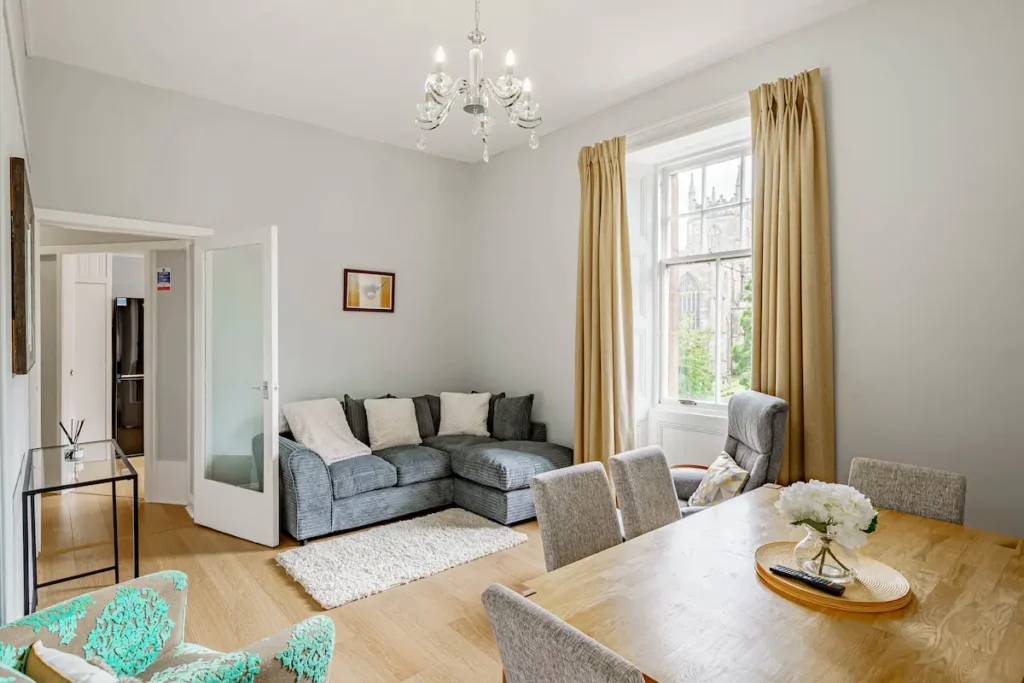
(792, 350)
(604, 416)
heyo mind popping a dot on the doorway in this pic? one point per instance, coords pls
(103, 371)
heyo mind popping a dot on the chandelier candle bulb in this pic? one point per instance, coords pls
(527, 89)
(439, 58)
(510, 62)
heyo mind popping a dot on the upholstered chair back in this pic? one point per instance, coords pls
(643, 484)
(912, 489)
(757, 433)
(538, 647)
(576, 513)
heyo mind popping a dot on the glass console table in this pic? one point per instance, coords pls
(57, 468)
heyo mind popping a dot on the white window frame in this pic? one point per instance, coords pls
(664, 171)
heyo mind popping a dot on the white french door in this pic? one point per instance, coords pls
(236, 385)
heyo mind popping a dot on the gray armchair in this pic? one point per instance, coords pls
(756, 434)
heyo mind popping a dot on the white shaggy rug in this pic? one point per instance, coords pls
(352, 567)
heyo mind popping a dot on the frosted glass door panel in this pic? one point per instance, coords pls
(234, 365)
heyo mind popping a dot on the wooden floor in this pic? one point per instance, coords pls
(430, 631)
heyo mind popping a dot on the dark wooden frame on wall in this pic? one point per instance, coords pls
(23, 268)
(369, 272)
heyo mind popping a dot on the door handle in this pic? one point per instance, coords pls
(264, 388)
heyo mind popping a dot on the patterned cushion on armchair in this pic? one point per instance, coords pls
(137, 627)
(127, 626)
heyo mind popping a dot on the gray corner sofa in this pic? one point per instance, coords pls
(481, 474)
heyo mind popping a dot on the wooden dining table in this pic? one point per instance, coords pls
(683, 603)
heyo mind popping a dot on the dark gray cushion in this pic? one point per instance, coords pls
(417, 463)
(355, 411)
(490, 410)
(512, 418)
(361, 474)
(435, 410)
(509, 465)
(424, 417)
(454, 442)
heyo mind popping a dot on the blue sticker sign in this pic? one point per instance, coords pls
(163, 279)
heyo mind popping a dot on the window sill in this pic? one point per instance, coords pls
(701, 409)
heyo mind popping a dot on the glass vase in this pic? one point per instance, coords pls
(819, 554)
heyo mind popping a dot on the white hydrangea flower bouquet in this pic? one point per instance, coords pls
(832, 513)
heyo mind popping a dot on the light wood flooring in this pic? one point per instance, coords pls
(430, 631)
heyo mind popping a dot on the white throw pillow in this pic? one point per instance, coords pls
(321, 426)
(47, 664)
(391, 422)
(464, 414)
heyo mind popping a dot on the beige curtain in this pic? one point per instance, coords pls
(604, 307)
(792, 354)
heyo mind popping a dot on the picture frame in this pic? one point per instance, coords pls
(23, 270)
(372, 291)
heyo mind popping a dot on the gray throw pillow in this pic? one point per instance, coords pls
(512, 418)
(490, 410)
(435, 410)
(425, 416)
(355, 411)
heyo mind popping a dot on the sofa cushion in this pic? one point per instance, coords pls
(355, 411)
(509, 465)
(512, 418)
(464, 414)
(417, 463)
(455, 442)
(435, 410)
(361, 474)
(392, 422)
(495, 397)
(425, 416)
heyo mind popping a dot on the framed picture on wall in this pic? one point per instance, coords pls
(369, 290)
(23, 270)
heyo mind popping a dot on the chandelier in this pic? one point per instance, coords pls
(477, 92)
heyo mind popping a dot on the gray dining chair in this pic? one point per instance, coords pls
(755, 437)
(915, 490)
(576, 513)
(644, 487)
(538, 647)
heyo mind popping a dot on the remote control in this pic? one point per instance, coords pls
(830, 587)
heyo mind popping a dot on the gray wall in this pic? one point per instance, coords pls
(49, 350)
(128, 276)
(108, 146)
(171, 356)
(15, 390)
(926, 156)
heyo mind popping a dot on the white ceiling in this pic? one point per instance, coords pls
(357, 66)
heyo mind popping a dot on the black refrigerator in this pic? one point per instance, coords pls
(129, 374)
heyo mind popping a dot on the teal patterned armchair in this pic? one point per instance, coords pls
(137, 628)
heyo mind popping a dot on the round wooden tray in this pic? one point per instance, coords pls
(878, 587)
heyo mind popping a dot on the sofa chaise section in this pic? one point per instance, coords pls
(493, 479)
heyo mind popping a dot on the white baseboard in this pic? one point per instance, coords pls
(169, 484)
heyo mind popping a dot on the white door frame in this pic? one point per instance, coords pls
(175, 237)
